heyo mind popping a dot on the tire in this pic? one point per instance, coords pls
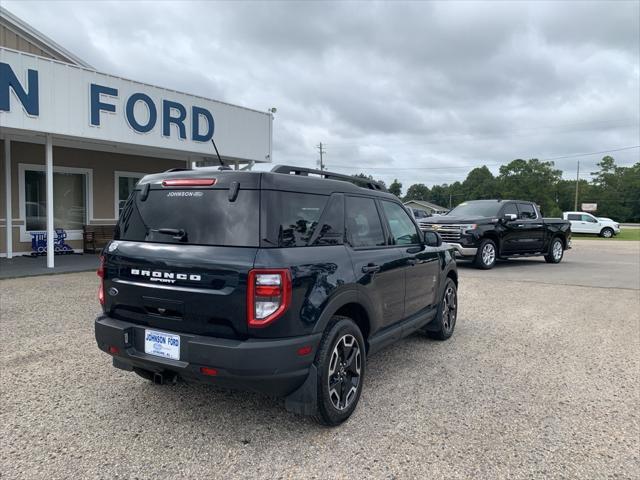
(340, 380)
(441, 327)
(487, 254)
(607, 232)
(556, 251)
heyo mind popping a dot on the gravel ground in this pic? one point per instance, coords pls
(539, 381)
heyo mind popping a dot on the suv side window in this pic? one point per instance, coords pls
(510, 208)
(527, 212)
(362, 222)
(291, 218)
(574, 217)
(402, 228)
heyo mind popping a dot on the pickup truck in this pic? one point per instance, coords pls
(582, 222)
(485, 230)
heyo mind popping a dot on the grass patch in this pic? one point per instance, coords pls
(625, 234)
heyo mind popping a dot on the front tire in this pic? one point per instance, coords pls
(341, 364)
(441, 327)
(606, 232)
(556, 251)
(487, 254)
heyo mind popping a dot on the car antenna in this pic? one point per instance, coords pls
(222, 165)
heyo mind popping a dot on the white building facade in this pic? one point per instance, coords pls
(75, 141)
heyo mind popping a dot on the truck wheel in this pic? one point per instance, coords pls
(441, 327)
(486, 256)
(606, 232)
(341, 362)
(556, 251)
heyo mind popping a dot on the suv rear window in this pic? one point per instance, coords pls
(192, 217)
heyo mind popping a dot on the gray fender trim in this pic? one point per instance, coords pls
(304, 400)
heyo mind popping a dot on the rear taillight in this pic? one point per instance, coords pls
(100, 273)
(268, 295)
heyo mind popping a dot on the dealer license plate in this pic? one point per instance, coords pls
(162, 344)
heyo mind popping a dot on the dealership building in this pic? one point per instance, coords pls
(74, 141)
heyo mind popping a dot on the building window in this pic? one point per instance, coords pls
(69, 200)
(125, 184)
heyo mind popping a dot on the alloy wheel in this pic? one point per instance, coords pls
(344, 372)
(449, 308)
(488, 254)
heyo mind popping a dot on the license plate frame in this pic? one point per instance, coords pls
(162, 344)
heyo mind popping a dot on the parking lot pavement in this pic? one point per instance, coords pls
(539, 381)
(589, 263)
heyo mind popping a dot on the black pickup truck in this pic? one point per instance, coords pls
(485, 230)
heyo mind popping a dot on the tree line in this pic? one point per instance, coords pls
(615, 189)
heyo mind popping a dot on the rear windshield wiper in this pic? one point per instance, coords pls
(178, 234)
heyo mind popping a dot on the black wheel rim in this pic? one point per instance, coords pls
(449, 309)
(345, 367)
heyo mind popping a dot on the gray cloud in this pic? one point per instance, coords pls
(428, 86)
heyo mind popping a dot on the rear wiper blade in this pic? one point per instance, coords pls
(178, 234)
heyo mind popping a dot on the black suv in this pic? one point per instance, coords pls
(281, 282)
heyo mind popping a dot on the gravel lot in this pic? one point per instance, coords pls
(541, 380)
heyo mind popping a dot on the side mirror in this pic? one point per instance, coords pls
(432, 239)
(509, 217)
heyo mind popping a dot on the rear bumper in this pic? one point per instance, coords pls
(270, 366)
(461, 251)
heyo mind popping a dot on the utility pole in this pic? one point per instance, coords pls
(322, 152)
(575, 205)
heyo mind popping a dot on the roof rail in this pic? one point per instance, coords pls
(359, 181)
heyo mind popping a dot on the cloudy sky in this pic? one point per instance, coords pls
(421, 91)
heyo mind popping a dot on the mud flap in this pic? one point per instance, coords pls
(304, 401)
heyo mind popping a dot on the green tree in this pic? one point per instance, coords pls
(417, 191)
(440, 195)
(479, 184)
(369, 177)
(531, 180)
(617, 190)
(396, 188)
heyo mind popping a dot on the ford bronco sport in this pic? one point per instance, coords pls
(280, 282)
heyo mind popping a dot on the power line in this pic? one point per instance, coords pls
(486, 164)
(530, 132)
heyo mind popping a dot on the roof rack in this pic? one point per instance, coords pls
(359, 181)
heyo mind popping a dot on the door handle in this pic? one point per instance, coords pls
(371, 268)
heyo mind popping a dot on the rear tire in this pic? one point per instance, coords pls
(441, 327)
(606, 232)
(556, 251)
(487, 254)
(341, 363)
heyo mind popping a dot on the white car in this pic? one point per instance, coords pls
(582, 222)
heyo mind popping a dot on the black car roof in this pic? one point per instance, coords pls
(264, 180)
